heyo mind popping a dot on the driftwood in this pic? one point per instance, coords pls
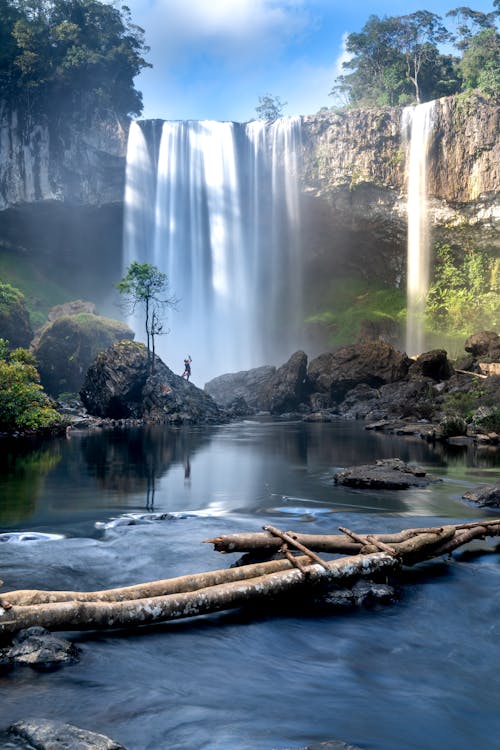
(214, 591)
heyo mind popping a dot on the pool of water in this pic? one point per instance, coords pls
(418, 675)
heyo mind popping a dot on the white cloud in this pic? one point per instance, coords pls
(229, 28)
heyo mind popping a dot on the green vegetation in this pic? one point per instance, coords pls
(24, 407)
(398, 60)
(476, 405)
(350, 309)
(30, 275)
(64, 56)
(464, 295)
(270, 107)
(144, 286)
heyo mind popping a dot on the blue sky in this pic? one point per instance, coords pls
(213, 58)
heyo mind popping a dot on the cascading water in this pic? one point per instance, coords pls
(417, 127)
(217, 210)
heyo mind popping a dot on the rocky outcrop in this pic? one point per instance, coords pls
(47, 734)
(434, 364)
(67, 346)
(118, 385)
(487, 495)
(38, 648)
(245, 388)
(288, 386)
(371, 363)
(387, 474)
(485, 344)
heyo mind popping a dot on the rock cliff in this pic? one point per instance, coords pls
(61, 191)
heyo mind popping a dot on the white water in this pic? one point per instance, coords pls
(217, 211)
(417, 126)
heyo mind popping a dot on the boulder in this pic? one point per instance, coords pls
(484, 344)
(487, 495)
(68, 345)
(45, 734)
(370, 362)
(118, 386)
(15, 324)
(433, 364)
(288, 386)
(36, 647)
(246, 386)
(387, 474)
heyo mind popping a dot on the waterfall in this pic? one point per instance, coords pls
(417, 125)
(216, 208)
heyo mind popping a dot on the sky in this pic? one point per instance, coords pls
(213, 59)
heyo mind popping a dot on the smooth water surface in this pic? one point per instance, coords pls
(418, 675)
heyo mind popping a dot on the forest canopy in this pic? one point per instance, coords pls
(64, 56)
(399, 60)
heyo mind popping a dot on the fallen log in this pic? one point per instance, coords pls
(97, 615)
(260, 542)
(214, 591)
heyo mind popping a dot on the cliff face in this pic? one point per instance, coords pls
(61, 190)
(355, 179)
(61, 193)
(39, 162)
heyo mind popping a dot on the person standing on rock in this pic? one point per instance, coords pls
(187, 367)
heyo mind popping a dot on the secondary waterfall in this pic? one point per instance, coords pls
(417, 126)
(215, 206)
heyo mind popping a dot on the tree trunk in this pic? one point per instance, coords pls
(96, 615)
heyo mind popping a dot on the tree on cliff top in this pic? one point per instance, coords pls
(70, 56)
(270, 107)
(396, 60)
(144, 286)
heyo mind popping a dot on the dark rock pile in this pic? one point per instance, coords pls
(118, 386)
(372, 380)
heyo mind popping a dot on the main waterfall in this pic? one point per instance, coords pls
(215, 206)
(417, 127)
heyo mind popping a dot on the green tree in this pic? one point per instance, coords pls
(270, 107)
(24, 407)
(464, 295)
(469, 23)
(377, 73)
(70, 55)
(397, 60)
(480, 64)
(145, 286)
(417, 37)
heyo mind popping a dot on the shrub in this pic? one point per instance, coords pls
(24, 406)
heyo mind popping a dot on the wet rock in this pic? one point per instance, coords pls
(389, 474)
(371, 363)
(332, 745)
(405, 399)
(36, 647)
(370, 593)
(484, 344)
(287, 388)
(118, 386)
(44, 734)
(433, 364)
(69, 344)
(487, 495)
(247, 385)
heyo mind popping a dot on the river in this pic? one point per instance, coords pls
(421, 674)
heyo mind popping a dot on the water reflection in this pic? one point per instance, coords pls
(250, 467)
(23, 466)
